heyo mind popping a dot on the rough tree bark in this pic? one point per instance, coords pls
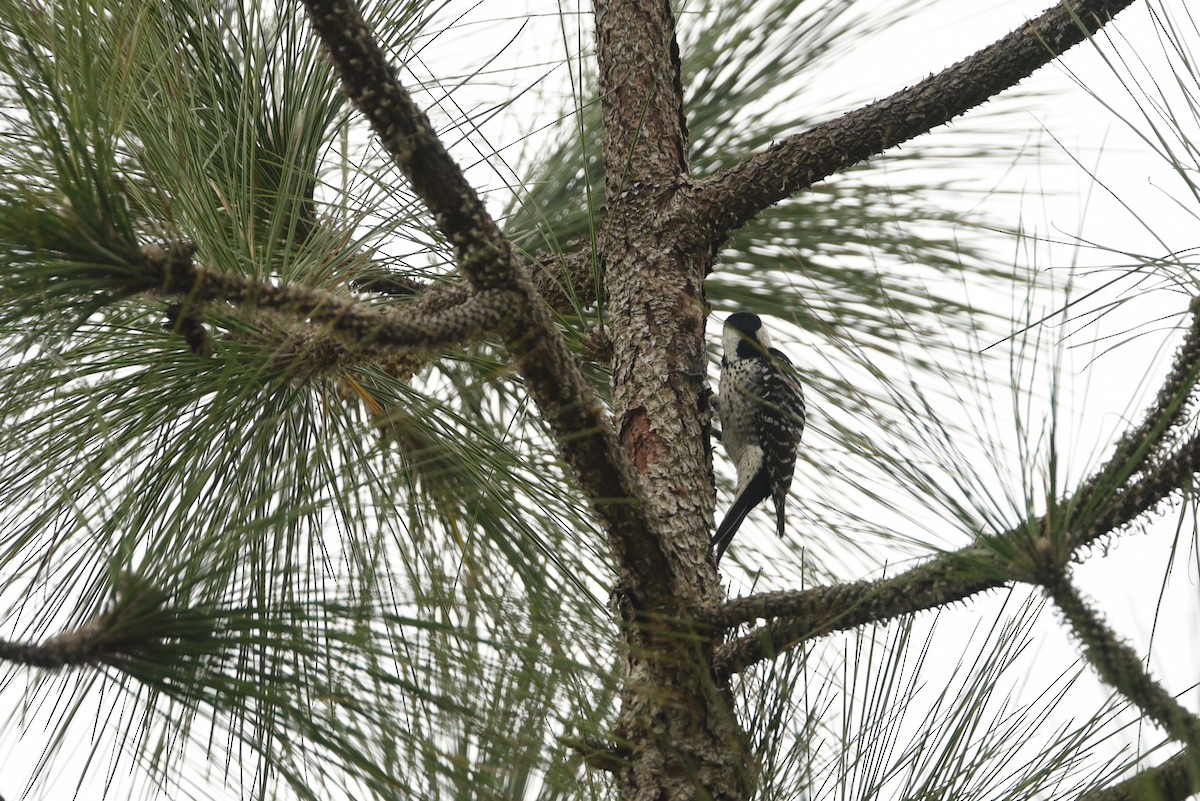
(678, 725)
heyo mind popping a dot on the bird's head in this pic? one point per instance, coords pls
(744, 336)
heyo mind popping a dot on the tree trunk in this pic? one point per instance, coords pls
(683, 738)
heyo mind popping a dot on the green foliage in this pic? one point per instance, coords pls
(359, 572)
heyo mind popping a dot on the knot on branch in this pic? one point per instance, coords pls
(597, 754)
(170, 266)
(187, 320)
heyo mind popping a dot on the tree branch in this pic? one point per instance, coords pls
(1159, 483)
(173, 273)
(805, 615)
(134, 622)
(482, 252)
(1177, 779)
(732, 197)
(1139, 445)
(1117, 664)
(567, 282)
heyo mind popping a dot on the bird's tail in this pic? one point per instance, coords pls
(754, 493)
(780, 506)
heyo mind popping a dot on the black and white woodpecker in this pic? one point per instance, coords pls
(761, 406)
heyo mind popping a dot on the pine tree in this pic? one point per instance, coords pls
(325, 475)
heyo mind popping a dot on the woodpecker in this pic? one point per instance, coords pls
(761, 406)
